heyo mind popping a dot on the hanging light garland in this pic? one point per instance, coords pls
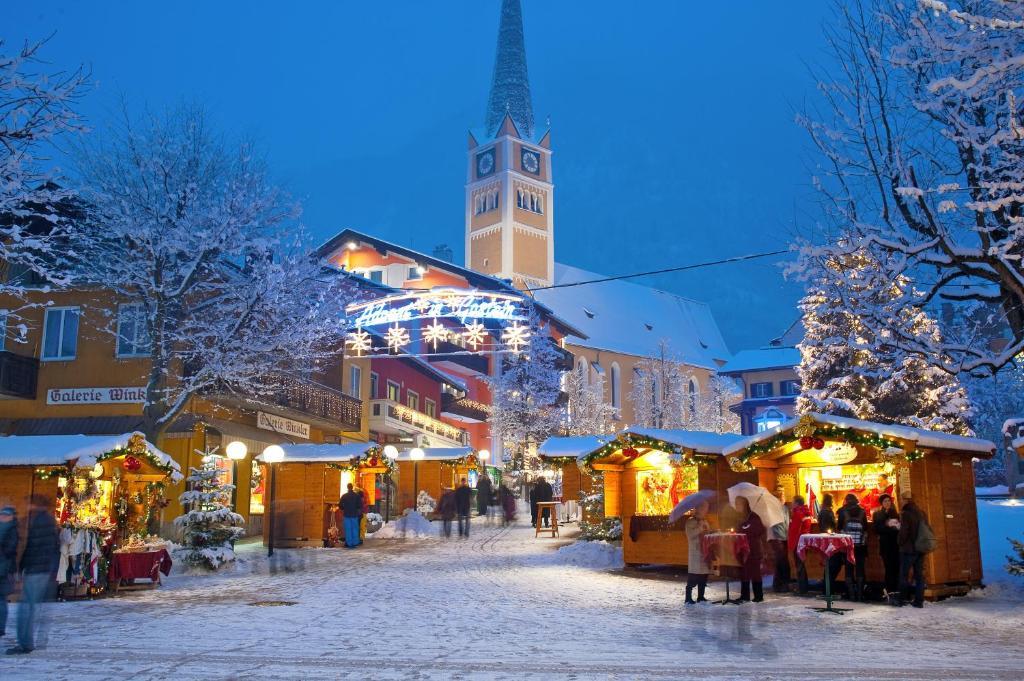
(372, 458)
(630, 446)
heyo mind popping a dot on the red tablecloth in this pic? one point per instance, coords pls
(731, 548)
(139, 565)
(827, 544)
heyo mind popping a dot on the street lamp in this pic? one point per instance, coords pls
(236, 451)
(391, 452)
(416, 454)
(271, 455)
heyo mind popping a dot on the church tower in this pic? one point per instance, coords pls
(509, 191)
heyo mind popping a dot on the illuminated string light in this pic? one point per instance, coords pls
(516, 336)
(359, 341)
(397, 337)
(475, 333)
(435, 333)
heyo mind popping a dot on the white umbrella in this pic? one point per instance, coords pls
(762, 502)
(690, 502)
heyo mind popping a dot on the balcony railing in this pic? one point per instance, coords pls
(446, 351)
(18, 375)
(321, 401)
(466, 408)
(416, 420)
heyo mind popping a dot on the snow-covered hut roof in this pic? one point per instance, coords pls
(621, 316)
(438, 453)
(924, 438)
(324, 453)
(574, 445)
(762, 359)
(699, 441)
(57, 450)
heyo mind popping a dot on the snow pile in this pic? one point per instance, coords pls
(412, 525)
(596, 555)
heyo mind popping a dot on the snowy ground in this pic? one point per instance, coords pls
(504, 605)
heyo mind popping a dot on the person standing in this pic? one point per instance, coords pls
(697, 568)
(8, 560)
(853, 521)
(364, 511)
(533, 503)
(463, 504)
(446, 509)
(911, 559)
(777, 542)
(483, 494)
(886, 524)
(799, 525)
(508, 504)
(750, 572)
(38, 570)
(827, 524)
(352, 512)
(543, 492)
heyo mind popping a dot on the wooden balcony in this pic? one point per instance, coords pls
(388, 416)
(321, 401)
(18, 376)
(464, 409)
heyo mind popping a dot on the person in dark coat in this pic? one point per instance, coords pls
(911, 560)
(8, 560)
(886, 524)
(533, 503)
(463, 503)
(750, 571)
(483, 494)
(853, 520)
(508, 504)
(446, 509)
(542, 492)
(827, 523)
(38, 568)
(352, 512)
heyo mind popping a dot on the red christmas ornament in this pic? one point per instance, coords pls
(373, 461)
(806, 442)
(630, 453)
(819, 443)
(132, 464)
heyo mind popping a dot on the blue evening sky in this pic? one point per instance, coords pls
(672, 121)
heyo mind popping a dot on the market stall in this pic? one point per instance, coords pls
(570, 481)
(305, 487)
(820, 454)
(106, 492)
(647, 472)
(439, 467)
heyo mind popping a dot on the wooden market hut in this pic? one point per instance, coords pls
(564, 454)
(830, 454)
(440, 467)
(114, 482)
(646, 472)
(306, 487)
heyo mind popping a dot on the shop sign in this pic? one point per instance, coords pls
(96, 396)
(279, 424)
(837, 453)
(451, 303)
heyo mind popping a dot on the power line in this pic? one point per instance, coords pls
(738, 258)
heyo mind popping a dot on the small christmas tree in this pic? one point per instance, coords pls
(594, 525)
(209, 528)
(1015, 564)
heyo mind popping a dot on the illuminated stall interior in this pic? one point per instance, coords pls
(820, 454)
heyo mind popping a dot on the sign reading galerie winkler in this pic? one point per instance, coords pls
(96, 396)
(279, 424)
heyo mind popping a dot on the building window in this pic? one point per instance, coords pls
(616, 390)
(584, 370)
(355, 381)
(760, 389)
(768, 419)
(132, 331)
(691, 402)
(3, 329)
(789, 388)
(430, 408)
(60, 333)
(374, 380)
(413, 399)
(393, 391)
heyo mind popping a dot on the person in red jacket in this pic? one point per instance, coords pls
(799, 525)
(750, 574)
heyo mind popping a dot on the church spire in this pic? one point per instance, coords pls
(510, 85)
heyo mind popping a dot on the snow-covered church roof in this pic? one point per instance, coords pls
(621, 316)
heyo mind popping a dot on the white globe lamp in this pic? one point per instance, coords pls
(273, 454)
(237, 450)
(391, 452)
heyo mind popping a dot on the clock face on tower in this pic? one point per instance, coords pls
(485, 163)
(530, 161)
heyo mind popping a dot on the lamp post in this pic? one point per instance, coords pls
(391, 452)
(271, 455)
(236, 451)
(416, 454)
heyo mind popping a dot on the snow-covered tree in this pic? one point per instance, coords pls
(525, 405)
(214, 279)
(660, 391)
(707, 409)
(848, 369)
(1015, 564)
(37, 108)
(920, 137)
(208, 527)
(587, 413)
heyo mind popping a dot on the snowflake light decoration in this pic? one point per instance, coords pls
(475, 333)
(396, 337)
(359, 341)
(516, 336)
(423, 304)
(434, 333)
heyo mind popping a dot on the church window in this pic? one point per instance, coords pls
(519, 198)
